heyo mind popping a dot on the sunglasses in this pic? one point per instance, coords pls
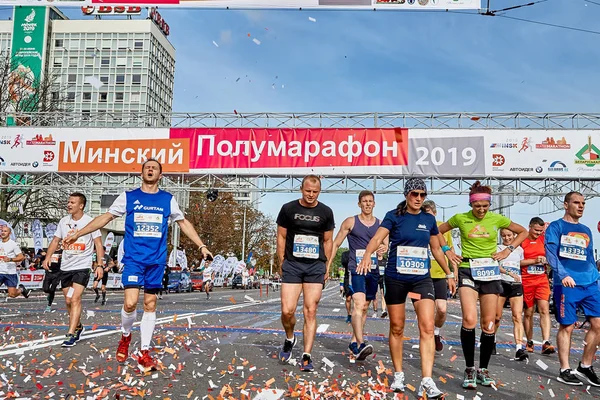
(418, 194)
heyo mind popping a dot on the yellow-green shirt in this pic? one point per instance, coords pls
(436, 270)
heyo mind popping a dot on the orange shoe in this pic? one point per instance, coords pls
(146, 362)
(547, 348)
(529, 346)
(123, 349)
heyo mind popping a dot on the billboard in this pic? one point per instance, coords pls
(451, 153)
(408, 5)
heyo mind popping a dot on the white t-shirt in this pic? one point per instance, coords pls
(77, 255)
(9, 249)
(513, 261)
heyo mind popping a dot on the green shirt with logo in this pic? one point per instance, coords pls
(479, 237)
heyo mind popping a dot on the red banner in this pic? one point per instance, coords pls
(279, 149)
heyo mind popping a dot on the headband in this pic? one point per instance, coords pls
(479, 197)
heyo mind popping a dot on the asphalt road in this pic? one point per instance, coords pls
(226, 348)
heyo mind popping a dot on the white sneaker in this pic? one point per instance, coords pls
(428, 387)
(398, 384)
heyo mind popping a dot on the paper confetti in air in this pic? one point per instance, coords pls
(311, 19)
(541, 364)
(255, 40)
(215, 43)
(95, 82)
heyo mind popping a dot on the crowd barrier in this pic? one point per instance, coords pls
(34, 279)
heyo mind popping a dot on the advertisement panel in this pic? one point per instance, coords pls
(296, 151)
(27, 55)
(277, 4)
(34, 280)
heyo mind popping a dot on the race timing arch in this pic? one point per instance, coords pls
(524, 156)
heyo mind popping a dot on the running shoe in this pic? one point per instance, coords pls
(429, 389)
(547, 348)
(587, 375)
(97, 297)
(123, 349)
(103, 302)
(530, 346)
(398, 384)
(384, 314)
(349, 319)
(364, 351)
(286, 352)
(470, 381)
(306, 365)
(483, 377)
(353, 347)
(48, 309)
(24, 291)
(146, 362)
(521, 355)
(439, 346)
(70, 341)
(568, 378)
(78, 331)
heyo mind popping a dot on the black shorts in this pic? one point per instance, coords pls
(295, 272)
(465, 279)
(79, 276)
(440, 285)
(104, 278)
(510, 290)
(51, 281)
(396, 290)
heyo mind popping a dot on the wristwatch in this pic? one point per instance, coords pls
(511, 248)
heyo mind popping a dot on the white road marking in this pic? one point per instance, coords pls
(322, 328)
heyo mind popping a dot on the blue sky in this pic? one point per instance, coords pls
(387, 61)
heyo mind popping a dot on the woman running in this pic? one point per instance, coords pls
(512, 289)
(411, 231)
(479, 277)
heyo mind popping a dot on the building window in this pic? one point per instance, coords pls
(138, 45)
(89, 61)
(122, 44)
(59, 43)
(72, 79)
(121, 61)
(106, 43)
(87, 96)
(120, 79)
(119, 97)
(136, 79)
(104, 79)
(90, 44)
(85, 114)
(72, 61)
(105, 62)
(55, 96)
(71, 97)
(135, 97)
(74, 45)
(137, 62)
(103, 97)
(58, 62)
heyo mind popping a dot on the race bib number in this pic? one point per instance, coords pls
(75, 248)
(511, 267)
(412, 260)
(572, 247)
(147, 225)
(485, 269)
(360, 254)
(536, 269)
(306, 246)
(54, 258)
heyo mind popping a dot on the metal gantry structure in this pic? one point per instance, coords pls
(515, 189)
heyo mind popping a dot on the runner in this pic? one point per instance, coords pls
(207, 280)
(410, 232)
(148, 212)
(479, 277)
(570, 252)
(52, 278)
(511, 290)
(346, 290)
(304, 239)
(381, 262)
(10, 255)
(245, 276)
(76, 262)
(536, 287)
(359, 230)
(105, 265)
(438, 276)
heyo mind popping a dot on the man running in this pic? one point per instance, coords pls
(570, 251)
(207, 280)
(148, 212)
(304, 239)
(76, 263)
(10, 256)
(52, 278)
(104, 264)
(440, 283)
(536, 287)
(359, 230)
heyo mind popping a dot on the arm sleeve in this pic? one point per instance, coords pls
(503, 222)
(176, 213)
(96, 234)
(282, 219)
(17, 250)
(552, 246)
(590, 251)
(119, 207)
(388, 221)
(331, 222)
(434, 228)
(59, 233)
(454, 221)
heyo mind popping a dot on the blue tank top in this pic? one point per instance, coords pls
(358, 239)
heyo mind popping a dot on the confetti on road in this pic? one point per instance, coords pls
(541, 364)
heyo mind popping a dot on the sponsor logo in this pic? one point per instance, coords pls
(35, 164)
(20, 164)
(41, 140)
(137, 202)
(5, 141)
(114, 10)
(422, 226)
(17, 141)
(526, 144)
(25, 277)
(48, 156)
(312, 218)
(147, 208)
(509, 144)
(588, 155)
(521, 169)
(539, 170)
(132, 278)
(423, 2)
(558, 166)
(552, 143)
(411, 1)
(498, 160)
(159, 21)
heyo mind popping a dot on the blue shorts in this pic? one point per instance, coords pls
(10, 280)
(569, 299)
(148, 277)
(367, 284)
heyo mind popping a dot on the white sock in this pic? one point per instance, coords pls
(147, 329)
(584, 365)
(127, 320)
(436, 331)
(519, 346)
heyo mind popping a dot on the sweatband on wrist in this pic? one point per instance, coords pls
(445, 248)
